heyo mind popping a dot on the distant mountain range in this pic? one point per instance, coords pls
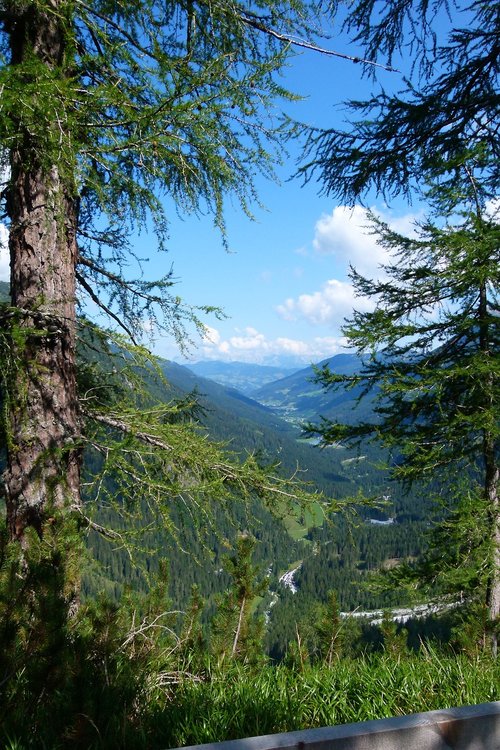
(270, 421)
(246, 378)
(215, 398)
(263, 394)
(299, 398)
(295, 396)
(249, 425)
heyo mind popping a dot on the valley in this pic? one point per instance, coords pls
(315, 550)
(308, 551)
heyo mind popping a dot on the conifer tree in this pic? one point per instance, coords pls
(112, 117)
(430, 351)
(237, 634)
(328, 629)
(395, 640)
(394, 142)
(431, 344)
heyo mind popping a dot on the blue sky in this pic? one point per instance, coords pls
(284, 284)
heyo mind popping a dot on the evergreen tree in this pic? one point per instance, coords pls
(237, 633)
(395, 639)
(448, 108)
(433, 337)
(193, 646)
(112, 116)
(431, 347)
(328, 629)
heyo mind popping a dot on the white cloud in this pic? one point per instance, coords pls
(492, 209)
(330, 305)
(211, 335)
(346, 234)
(253, 346)
(251, 340)
(4, 254)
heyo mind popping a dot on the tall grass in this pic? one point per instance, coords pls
(240, 704)
(243, 702)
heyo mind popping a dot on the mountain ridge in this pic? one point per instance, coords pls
(245, 377)
(298, 398)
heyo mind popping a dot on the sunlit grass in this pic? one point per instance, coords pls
(298, 524)
(240, 703)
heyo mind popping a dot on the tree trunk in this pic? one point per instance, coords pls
(491, 477)
(238, 629)
(493, 587)
(43, 428)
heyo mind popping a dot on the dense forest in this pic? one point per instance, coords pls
(341, 550)
(335, 551)
(335, 556)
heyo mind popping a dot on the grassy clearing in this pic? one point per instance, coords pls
(298, 525)
(294, 528)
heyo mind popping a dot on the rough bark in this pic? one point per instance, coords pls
(491, 480)
(493, 588)
(43, 454)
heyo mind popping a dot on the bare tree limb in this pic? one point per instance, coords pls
(93, 296)
(256, 24)
(103, 530)
(119, 424)
(238, 629)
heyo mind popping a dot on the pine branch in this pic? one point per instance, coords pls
(122, 426)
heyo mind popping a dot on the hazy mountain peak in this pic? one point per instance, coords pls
(245, 377)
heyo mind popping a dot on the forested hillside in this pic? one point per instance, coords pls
(337, 554)
(248, 426)
(328, 553)
(299, 398)
(166, 578)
